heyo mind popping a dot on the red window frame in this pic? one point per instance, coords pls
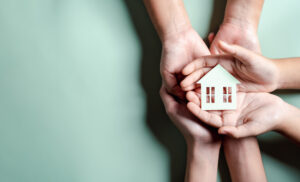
(210, 94)
(227, 94)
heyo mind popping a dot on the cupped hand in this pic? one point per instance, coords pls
(255, 72)
(256, 113)
(191, 127)
(178, 51)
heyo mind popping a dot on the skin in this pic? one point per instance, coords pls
(240, 27)
(202, 142)
(181, 43)
(242, 63)
(257, 113)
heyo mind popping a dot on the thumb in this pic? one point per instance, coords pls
(170, 83)
(242, 54)
(211, 37)
(237, 132)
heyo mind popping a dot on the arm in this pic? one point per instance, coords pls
(202, 162)
(181, 44)
(239, 25)
(203, 144)
(289, 73)
(244, 159)
(243, 12)
(290, 124)
(264, 112)
(169, 17)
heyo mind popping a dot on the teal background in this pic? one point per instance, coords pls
(79, 91)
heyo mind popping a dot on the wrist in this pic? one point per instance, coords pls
(207, 153)
(241, 155)
(244, 24)
(289, 118)
(277, 71)
(180, 35)
(202, 162)
(175, 32)
(194, 145)
(245, 14)
(234, 145)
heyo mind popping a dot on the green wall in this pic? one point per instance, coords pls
(79, 87)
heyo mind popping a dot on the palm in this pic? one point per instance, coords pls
(233, 34)
(178, 52)
(190, 126)
(262, 109)
(258, 107)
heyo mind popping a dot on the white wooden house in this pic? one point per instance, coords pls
(218, 90)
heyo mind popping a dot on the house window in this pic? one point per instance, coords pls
(210, 94)
(227, 95)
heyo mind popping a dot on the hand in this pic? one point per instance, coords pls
(255, 72)
(257, 113)
(192, 129)
(234, 32)
(178, 51)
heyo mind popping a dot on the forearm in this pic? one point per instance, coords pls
(202, 163)
(244, 159)
(244, 12)
(289, 73)
(290, 125)
(168, 16)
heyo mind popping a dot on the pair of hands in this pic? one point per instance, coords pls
(260, 111)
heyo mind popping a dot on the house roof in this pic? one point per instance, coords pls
(218, 75)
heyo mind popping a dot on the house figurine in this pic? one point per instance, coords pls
(218, 90)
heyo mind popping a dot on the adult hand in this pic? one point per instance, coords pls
(203, 144)
(179, 50)
(242, 63)
(239, 25)
(234, 33)
(191, 127)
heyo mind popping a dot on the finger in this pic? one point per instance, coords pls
(190, 87)
(193, 97)
(214, 48)
(193, 78)
(193, 66)
(242, 54)
(211, 37)
(168, 100)
(237, 132)
(170, 83)
(206, 117)
(194, 87)
(205, 62)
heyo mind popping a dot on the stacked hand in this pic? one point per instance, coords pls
(178, 51)
(242, 63)
(257, 111)
(185, 59)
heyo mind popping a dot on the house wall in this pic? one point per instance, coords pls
(218, 98)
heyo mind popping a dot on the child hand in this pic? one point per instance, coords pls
(255, 72)
(257, 113)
